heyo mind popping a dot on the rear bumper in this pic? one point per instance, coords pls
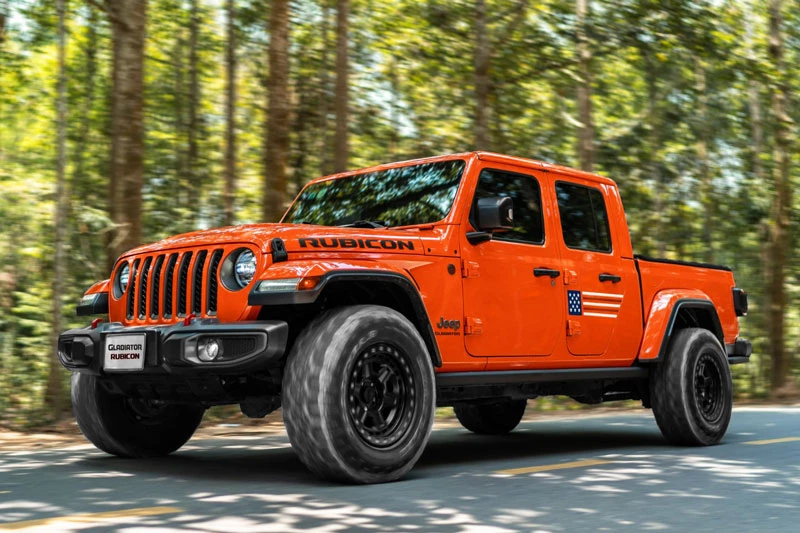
(739, 351)
(171, 350)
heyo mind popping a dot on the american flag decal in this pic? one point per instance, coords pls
(601, 304)
(574, 303)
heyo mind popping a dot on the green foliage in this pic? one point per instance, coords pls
(670, 79)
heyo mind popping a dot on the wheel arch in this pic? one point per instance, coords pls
(356, 287)
(673, 311)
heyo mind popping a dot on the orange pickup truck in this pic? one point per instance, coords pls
(472, 280)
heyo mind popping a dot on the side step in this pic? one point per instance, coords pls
(508, 377)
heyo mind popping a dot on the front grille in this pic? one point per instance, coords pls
(132, 288)
(165, 286)
(183, 273)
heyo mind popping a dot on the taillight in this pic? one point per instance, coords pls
(740, 302)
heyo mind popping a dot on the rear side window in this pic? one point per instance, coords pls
(584, 221)
(524, 191)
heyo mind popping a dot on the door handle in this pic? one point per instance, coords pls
(610, 277)
(544, 271)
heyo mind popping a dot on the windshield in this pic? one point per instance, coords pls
(418, 194)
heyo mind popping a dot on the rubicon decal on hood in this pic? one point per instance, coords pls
(374, 244)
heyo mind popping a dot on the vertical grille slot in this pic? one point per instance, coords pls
(183, 274)
(197, 282)
(213, 282)
(142, 294)
(155, 292)
(132, 288)
(169, 276)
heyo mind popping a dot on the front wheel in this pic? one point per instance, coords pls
(691, 391)
(359, 395)
(129, 427)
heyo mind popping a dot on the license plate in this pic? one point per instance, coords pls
(124, 352)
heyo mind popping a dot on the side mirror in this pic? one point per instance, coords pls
(495, 214)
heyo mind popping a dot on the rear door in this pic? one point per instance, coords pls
(512, 305)
(601, 288)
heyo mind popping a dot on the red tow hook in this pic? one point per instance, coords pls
(96, 322)
(188, 320)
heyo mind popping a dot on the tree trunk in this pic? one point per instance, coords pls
(654, 142)
(703, 134)
(341, 99)
(481, 77)
(586, 130)
(88, 102)
(192, 166)
(54, 398)
(276, 151)
(230, 115)
(3, 17)
(128, 18)
(180, 125)
(760, 375)
(325, 93)
(753, 99)
(781, 209)
(394, 111)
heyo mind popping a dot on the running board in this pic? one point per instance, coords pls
(508, 377)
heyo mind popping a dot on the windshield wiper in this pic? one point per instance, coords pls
(373, 224)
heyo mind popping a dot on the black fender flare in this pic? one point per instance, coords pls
(296, 297)
(715, 325)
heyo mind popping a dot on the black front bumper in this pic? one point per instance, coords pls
(247, 347)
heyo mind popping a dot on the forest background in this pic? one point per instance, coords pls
(124, 121)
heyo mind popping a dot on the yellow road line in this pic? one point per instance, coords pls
(772, 441)
(556, 466)
(85, 518)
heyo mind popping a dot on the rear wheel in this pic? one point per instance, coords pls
(495, 418)
(129, 427)
(358, 395)
(691, 391)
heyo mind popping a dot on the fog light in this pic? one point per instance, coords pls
(65, 351)
(208, 349)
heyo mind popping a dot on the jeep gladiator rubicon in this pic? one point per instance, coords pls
(473, 280)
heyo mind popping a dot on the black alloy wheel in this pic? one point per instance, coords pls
(381, 395)
(708, 387)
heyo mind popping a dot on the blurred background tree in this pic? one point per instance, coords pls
(185, 114)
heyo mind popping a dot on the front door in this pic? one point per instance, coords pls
(601, 287)
(513, 296)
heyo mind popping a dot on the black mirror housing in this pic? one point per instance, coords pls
(496, 213)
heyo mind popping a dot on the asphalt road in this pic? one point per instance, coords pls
(578, 473)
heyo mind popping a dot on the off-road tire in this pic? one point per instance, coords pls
(330, 385)
(691, 390)
(495, 418)
(126, 428)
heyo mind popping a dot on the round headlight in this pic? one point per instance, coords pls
(124, 277)
(245, 268)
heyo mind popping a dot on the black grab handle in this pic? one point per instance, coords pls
(610, 277)
(544, 271)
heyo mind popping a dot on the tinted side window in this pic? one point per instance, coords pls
(527, 198)
(584, 221)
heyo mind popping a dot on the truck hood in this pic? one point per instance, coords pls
(296, 237)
